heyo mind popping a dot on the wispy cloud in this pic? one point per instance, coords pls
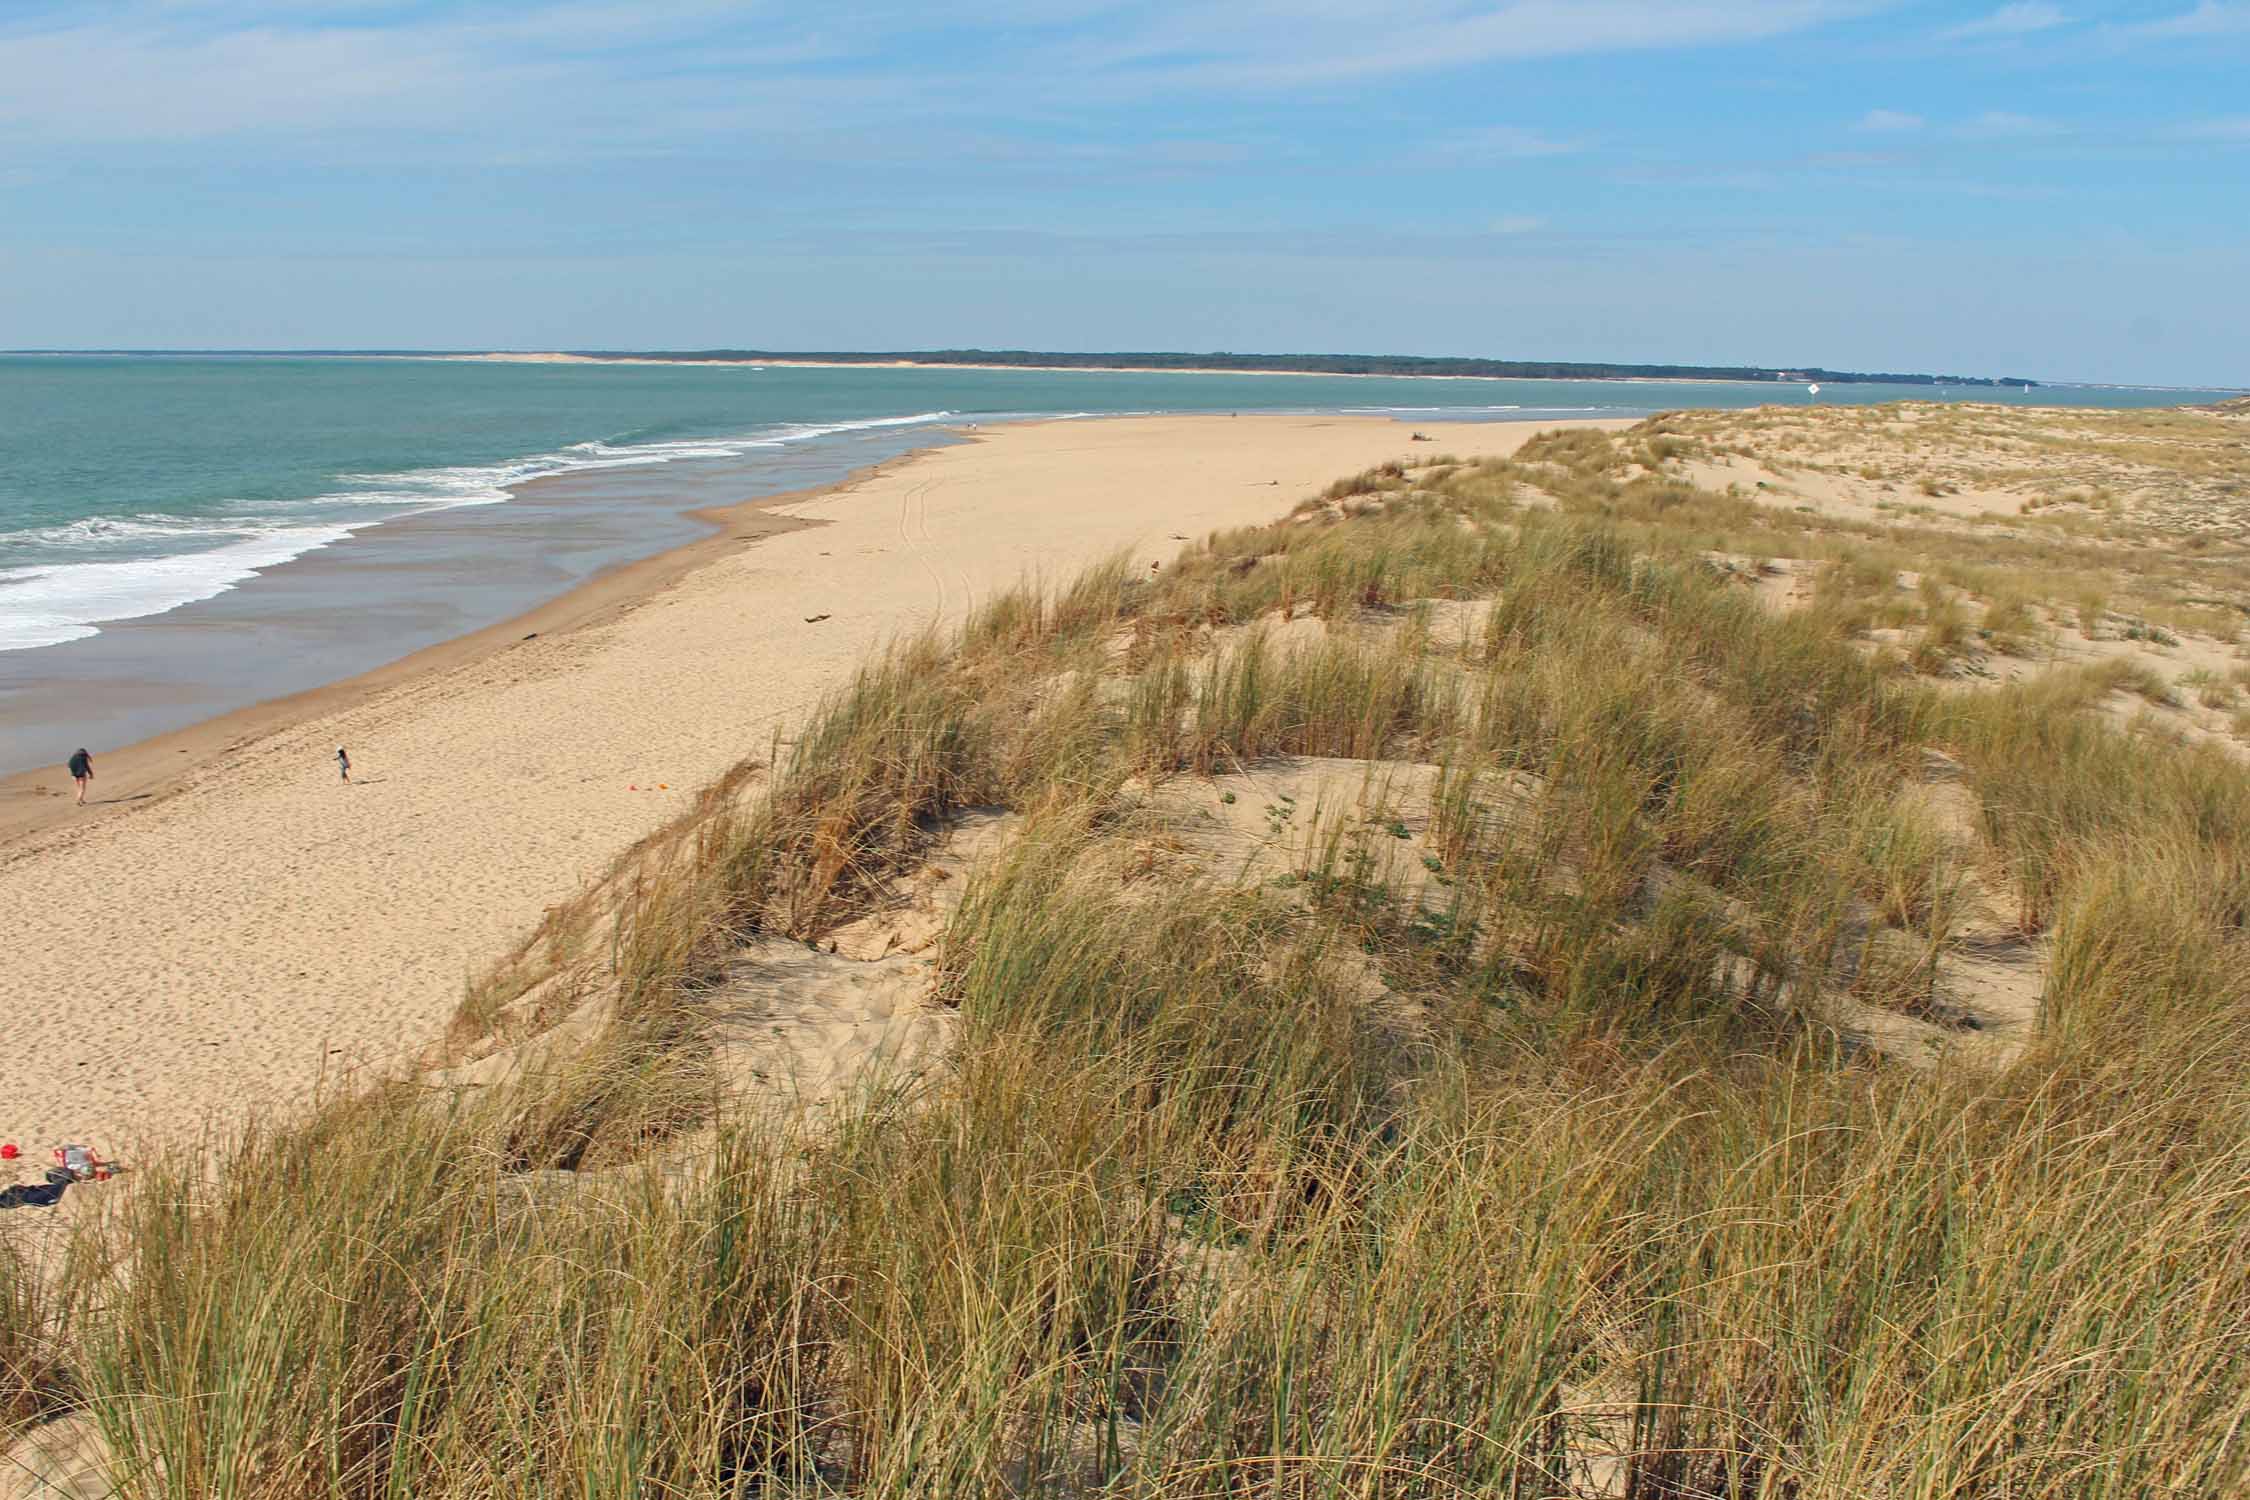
(606, 70)
(1852, 161)
(106, 82)
(2002, 125)
(2020, 18)
(2236, 128)
(2209, 18)
(1702, 177)
(1494, 143)
(1284, 43)
(1888, 121)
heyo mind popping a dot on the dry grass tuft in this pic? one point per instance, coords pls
(1555, 1159)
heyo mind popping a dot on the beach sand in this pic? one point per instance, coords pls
(254, 927)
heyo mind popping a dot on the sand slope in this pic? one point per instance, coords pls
(228, 947)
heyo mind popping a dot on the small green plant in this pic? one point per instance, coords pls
(2145, 682)
(2093, 606)
(2011, 626)
(1946, 630)
(2210, 689)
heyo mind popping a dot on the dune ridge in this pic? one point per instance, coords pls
(266, 929)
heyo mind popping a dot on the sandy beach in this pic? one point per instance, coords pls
(179, 959)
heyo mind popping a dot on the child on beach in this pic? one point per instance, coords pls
(82, 771)
(343, 763)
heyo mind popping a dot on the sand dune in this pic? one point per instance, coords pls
(229, 947)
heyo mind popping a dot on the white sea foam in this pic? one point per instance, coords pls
(45, 606)
(79, 582)
(798, 434)
(97, 534)
(1435, 411)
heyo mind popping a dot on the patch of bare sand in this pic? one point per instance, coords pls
(2177, 471)
(794, 1028)
(805, 1026)
(66, 1459)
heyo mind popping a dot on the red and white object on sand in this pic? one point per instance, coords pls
(82, 1163)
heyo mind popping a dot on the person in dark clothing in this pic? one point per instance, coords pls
(44, 1195)
(82, 771)
(343, 763)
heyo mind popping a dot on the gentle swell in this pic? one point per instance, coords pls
(45, 606)
(80, 581)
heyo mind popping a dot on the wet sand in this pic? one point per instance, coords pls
(150, 769)
(233, 925)
(414, 581)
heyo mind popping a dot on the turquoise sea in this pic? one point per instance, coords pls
(151, 506)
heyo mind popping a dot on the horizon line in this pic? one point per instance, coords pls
(934, 357)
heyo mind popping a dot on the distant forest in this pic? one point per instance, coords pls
(1322, 364)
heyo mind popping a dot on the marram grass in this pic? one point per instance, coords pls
(1588, 1198)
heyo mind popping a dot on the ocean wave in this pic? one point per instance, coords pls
(73, 581)
(798, 434)
(48, 605)
(1443, 410)
(96, 533)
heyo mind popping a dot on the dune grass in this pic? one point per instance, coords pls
(36, 1377)
(1540, 1167)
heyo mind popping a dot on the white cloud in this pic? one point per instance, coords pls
(1285, 43)
(1888, 121)
(2235, 129)
(2209, 18)
(526, 76)
(1517, 224)
(2019, 18)
(109, 82)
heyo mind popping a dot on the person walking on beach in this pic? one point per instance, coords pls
(82, 771)
(343, 763)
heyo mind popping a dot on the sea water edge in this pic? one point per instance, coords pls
(181, 536)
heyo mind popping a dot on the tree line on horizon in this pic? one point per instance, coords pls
(1326, 364)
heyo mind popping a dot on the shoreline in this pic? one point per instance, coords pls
(562, 357)
(261, 935)
(36, 801)
(140, 775)
(509, 357)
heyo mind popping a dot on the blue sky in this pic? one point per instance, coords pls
(2052, 188)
